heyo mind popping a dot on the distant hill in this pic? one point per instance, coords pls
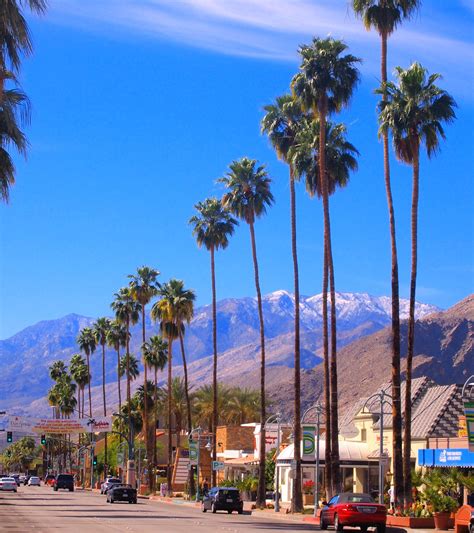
(26, 356)
(444, 352)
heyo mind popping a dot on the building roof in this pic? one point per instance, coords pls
(348, 451)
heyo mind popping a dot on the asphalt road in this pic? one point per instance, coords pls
(42, 510)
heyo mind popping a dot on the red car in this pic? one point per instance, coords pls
(354, 509)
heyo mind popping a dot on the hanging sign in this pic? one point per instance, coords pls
(59, 425)
(309, 448)
(193, 452)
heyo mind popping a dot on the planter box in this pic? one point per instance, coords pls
(308, 499)
(410, 522)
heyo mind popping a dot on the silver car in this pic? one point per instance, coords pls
(8, 484)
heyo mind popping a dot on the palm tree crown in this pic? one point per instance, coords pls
(155, 352)
(101, 329)
(143, 284)
(125, 307)
(340, 156)
(325, 74)
(134, 369)
(87, 341)
(175, 306)
(414, 111)
(213, 226)
(384, 15)
(249, 190)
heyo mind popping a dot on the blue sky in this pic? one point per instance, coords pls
(140, 105)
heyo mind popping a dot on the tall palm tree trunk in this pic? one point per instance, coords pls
(297, 499)
(128, 380)
(396, 393)
(327, 388)
(146, 428)
(118, 380)
(89, 384)
(335, 462)
(322, 111)
(214, 366)
(155, 401)
(105, 408)
(261, 470)
(411, 323)
(188, 405)
(170, 406)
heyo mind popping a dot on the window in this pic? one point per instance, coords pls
(363, 435)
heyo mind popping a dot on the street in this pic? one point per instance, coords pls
(42, 510)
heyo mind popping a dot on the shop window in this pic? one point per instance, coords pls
(363, 435)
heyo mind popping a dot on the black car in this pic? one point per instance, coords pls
(223, 499)
(64, 481)
(122, 493)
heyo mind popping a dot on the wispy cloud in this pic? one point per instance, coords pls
(265, 29)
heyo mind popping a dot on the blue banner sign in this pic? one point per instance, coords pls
(446, 457)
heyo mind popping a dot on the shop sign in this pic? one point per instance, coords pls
(448, 457)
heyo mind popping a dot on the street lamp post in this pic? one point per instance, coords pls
(319, 411)
(276, 418)
(383, 399)
(197, 430)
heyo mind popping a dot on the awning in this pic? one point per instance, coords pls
(349, 451)
(446, 457)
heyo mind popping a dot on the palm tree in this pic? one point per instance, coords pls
(87, 344)
(143, 287)
(281, 123)
(248, 197)
(155, 355)
(76, 365)
(14, 113)
(15, 34)
(129, 365)
(101, 330)
(204, 404)
(179, 408)
(82, 378)
(242, 406)
(324, 84)
(163, 311)
(57, 370)
(212, 227)
(385, 16)
(414, 110)
(116, 338)
(127, 312)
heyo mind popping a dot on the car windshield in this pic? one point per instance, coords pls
(7, 479)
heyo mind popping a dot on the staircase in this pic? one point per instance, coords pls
(180, 470)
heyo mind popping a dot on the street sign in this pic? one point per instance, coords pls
(217, 465)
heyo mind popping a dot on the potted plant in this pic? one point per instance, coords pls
(442, 505)
(308, 492)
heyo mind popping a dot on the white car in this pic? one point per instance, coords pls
(34, 481)
(8, 483)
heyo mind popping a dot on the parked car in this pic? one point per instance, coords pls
(8, 484)
(109, 482)
(222, 499)
(34, 481)
(353, 509)
(49, 480)
(122, 493)
(64, 481)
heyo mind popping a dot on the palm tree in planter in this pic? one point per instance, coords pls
(117, 338)
(325, 84)
(414, 111)
(155, 354)
(281, 123)
(127, 312)
(247, 198)
(87, 344)
(143, 287)
(212, 227)
(101, 330)
(385, 16)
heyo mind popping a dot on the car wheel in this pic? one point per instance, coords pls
(337, 525)
(363, 529)
(15, 490)
(213, 508)
(203, 508)
(71, 490)
(55, 489)
(111, 500)
(322, 524)
(229, 511)
(240, 511)
(381, 528)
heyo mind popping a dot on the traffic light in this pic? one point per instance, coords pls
(94, 461)
(9, 436)
(43, 439)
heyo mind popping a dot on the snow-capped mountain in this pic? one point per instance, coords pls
(26, 356)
